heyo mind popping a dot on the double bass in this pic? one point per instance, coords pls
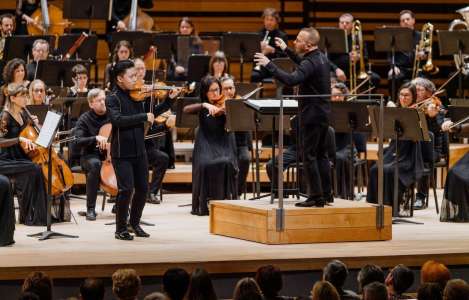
(138, 20)
(48, 19)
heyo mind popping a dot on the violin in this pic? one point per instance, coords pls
(141, 90)
(426, 104)
(219, 102)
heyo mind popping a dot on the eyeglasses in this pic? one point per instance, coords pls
(214, 90)
(39, 91)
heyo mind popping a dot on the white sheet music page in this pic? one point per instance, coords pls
(47, 134)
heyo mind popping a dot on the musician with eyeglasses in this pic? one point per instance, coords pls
(40, 52)
(37, 93)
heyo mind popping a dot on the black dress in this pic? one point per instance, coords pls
(27, 177)
(455, 206)
(411, 158)
(7, 212)
(342, 165)
(214, 163)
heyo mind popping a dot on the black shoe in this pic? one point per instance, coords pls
(137, 230)
(311, 202)
(124, 235)
(90, 214)
(114, 209)
(153, 199)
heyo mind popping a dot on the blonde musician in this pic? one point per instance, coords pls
(80, 80)
(7, 24)
(37, 93)
(40, 52)
(91, 146)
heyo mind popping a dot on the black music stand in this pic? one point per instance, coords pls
(333, 40)
(392, 39)
(400, 124)
(45, 139)
(140, 41)
(40, 111)
(53, 72)
(455, 43)
(351, 117)
(198, 67)
(87, 10)
(19, 46)
(184, 120)
(242, 46)
(166, 44)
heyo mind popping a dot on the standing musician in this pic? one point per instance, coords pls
(7, 24)
(40, 52)
(15, 164)
(157, 160)
(91, 145)
(312, 76)
(268, 34)
(80, 80)
(120, 9)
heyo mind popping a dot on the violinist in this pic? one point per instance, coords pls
(40, 52)
(80, 81)
(243, 138)
(7, 24)
(91, 146)
(129, 158)
(455, 205)
(122, 51)
(158, 160)
(14, 72)
(120, 9)
(214, 161)
(37, 93)
(15, 164)
(434, 115)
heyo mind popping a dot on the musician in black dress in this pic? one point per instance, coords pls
(268, 47)
(91, 146)
(312, 76)
(455, 205)
(29, 181)
(214, 161)
(7, 213)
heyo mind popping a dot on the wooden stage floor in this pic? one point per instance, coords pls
(180, 239)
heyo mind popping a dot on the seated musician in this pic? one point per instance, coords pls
(37, 92)
(40, 52)
(410, 161)
(243, 138)
(7, 24)
(218, 65)
(122, 51)
(435, 117)
(92, 145)
(158, 160)
(455, 205)
(15, 164)
(14, 72)
(268, 34)
(80, 81)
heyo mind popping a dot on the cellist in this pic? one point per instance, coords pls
(14, 163)
(92, 145)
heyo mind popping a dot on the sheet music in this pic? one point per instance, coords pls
(47, 134)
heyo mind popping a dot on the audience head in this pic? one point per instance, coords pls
(14, 71)
(339, 90)
(247, 289)
(456, 289)
(324, 290)
(7, 24)
(92, 289)
(306, 40)
(210, 89)
(436, 272)
(122, 51)
(336, 273)
(28, 296)
(369, 274)
(218, 65)
(80, 75)
(126, 284)
(40, 284)
(200, 286)
(124, 74)
(228, 87)
(430, 291)
(399, 280)
(407, 19)
(186, 26)
(269, 279)
(155, 296)
(40, 49)
(407, 95)
(346, 22)
(375, 291)
(37, 92)
(271, 18)
(175, 283)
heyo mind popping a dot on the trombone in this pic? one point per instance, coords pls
(357, 45)
(425, 44)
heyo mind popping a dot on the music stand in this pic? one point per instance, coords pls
(455, 43)
(333, 40)
(40, 111)
(87, 10)
(197, 67)
(140, 40)
(393, 39)
(185, 120)
(53, 72)
(45, 139)
(166, 44)
(19, 46)
(350, 117)
(458, 112)
(400, 124)
(241, 45)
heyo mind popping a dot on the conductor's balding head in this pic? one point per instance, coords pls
(306, 40)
